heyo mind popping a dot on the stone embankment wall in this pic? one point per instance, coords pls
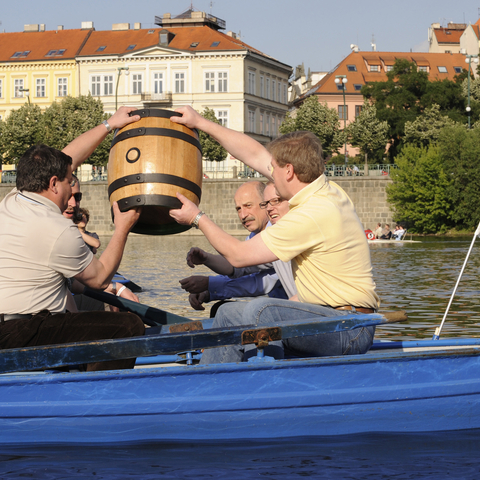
(367, 193)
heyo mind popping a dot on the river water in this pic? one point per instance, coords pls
(416, 277)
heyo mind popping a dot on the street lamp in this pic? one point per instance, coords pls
(469, 60)
(342, 80)
(118, 80)
(27, 93)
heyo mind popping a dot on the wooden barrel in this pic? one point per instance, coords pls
(150, 161)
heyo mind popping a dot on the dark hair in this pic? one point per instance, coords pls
(303, 150)
(38, 165)
(80, 214)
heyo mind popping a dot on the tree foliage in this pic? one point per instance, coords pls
(406, 94)
(426, 128)
(56, 127)
(211, 149)
(419, 190)
(368, 133)
(317, 118)
(19, 131)
(460, 152)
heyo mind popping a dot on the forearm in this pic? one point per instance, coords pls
(89, 240)
(218, 264)
(112, 256)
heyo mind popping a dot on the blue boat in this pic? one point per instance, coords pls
(420, 386)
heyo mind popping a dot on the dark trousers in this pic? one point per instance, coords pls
(45, 328)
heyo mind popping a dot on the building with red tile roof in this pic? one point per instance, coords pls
(445, 39)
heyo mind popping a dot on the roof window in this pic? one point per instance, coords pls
(215, 44)
(131, 47)
(56, 53)
(352, 68)
(151, 31)
(194, 44)
(458, 69)
(22, 54)
(101, 48)
(357, 86)
(442, 69)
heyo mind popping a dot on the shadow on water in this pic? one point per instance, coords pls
(413, 456)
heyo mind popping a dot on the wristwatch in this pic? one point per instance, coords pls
(107, 126)
(197, 219)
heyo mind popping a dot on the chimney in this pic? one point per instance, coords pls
(87, 25)
(31, 28)
(121, 26)
(60, 27)
(137, 26)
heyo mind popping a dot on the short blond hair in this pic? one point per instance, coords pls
(301, 149)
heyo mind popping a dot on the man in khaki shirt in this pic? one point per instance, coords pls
(321, 234)
(40, 249)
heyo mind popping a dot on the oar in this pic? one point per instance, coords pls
(52, 356)
(150, 315)
(436, 335)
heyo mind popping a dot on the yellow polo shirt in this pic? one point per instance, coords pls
(326, 242)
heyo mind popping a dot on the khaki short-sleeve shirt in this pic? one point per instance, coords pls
(39, 250)
(326, 242)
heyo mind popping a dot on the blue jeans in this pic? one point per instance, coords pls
(269, 311)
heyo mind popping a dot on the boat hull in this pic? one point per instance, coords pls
(385, 391)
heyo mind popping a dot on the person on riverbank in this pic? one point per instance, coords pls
(378, 231)
(40, 249)
(321, 234)
(387, 233)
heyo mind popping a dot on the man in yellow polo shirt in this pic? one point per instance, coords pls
(321, 234)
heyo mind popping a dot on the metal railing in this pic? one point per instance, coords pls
(9, 177)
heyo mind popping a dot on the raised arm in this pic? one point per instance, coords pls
(84, 145)
(241, 146)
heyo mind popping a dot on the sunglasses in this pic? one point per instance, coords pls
(272, 202)
(77, 196)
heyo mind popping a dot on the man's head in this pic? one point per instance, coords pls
(46, 171)
(73, 206)
(303, 150)
(247, 203)
(275, 206)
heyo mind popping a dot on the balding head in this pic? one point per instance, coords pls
(247, 203)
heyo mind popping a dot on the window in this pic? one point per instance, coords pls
(18, 86)
(285, 94)
(352, 68)
(261, 86)
(137, 83)
(55, 53)
(179, 82)
(251, 121)
(1, 88)
(158, 82)
(274, 84)
(458, 69)
(22, 54)
(222, 117)
(423, 68)
(40, 87)
(342, 112)
(108, 84)
(101, 48)
(95, 85)
(442, 69)
(274, 127)
(62, 87)
(358, 110)
(267, 88)
(357, 87)
(267, 125)
(251, 83)
(279, 98)
(215, 44)
(388, 68)
(216, 81)
(131, 47)
(374, 68)
(261, 124)
(341, 86)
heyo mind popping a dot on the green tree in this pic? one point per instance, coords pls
(460, 151)
(368, 133)
(419, 192)
(317, 118)
(64, 121)
(19, 131)
(407, 93)
(211, 149)
(426, 128)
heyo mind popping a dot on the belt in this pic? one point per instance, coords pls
(14, 316)
(356, 309)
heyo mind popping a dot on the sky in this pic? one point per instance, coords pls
(317, 33)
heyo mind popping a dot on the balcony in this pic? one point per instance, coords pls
(160, 98)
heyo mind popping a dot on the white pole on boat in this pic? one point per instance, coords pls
(436, 335)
